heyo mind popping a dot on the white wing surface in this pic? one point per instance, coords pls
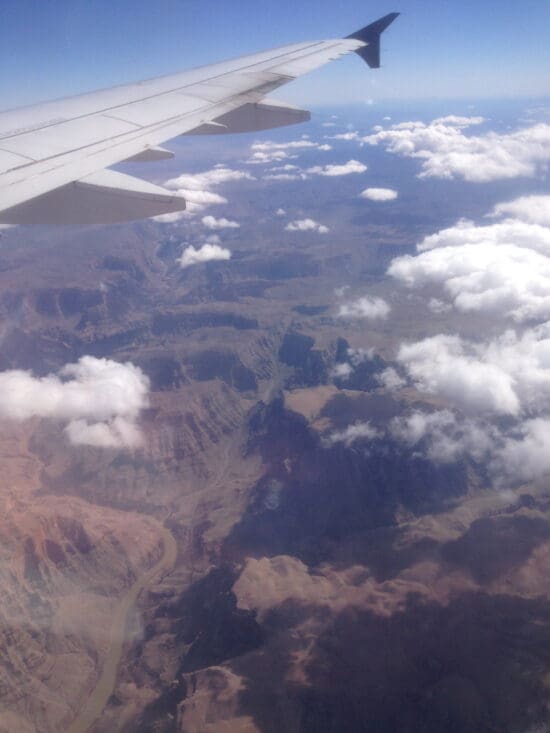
(53, 155)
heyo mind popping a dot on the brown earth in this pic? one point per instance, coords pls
(314, 588)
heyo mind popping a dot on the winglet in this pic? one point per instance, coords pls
(370, 35)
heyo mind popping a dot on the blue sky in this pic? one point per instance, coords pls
(437, 48)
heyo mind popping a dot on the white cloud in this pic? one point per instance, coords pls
(447, 367)
(206, 253)
(273, 156)
(439, 306)
(199, 200)
(532, 209)
(196, 189)
(284, 177)
(207, 179)
(119, 432)
(411, 429)
(379, 194)
(342, 371)
(306, 225)
(352, 166)
(443, 437)
(510, 231)
(524, 455)
(341, 291)
(285, 168)
(353, 135)
(447, 152)
(356, 357)
(509, 375)
(290, 145)
(390, 379)
(458, 121)
(502, 268)
(272, 152)
(365, 307)
(351, 434)
(359, 355)
(99, 399)
(280, 212)
(210, 222)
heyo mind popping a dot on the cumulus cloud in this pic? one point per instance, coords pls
(280, 212)
(284, 177)
(99, 399)
(273, 152)
(524, 455)
(443, 437)
(461, 373)
(210, 222)
(352, 135)
(290, 145)
(351, 434)
(341, 291)
(345, 169)
(286, 172)
(119, 432)
(261, 157)
(365, 307)
(507, 375)
(458, 120)
(390, 379)
(532, 209)
(285, 168)
(446, 151)
(197, 188)
(498, 387)
(207, 179)
(358, 355)
(520, 456)
(342, 371)
(206, 253)
(502, 268)
(438, 306)
(306, 225)
(379, 194)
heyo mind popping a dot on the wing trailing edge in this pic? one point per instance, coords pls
(105, 197)
(252, 117)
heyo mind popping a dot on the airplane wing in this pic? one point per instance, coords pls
(55, 157)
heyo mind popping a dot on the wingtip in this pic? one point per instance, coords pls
(370, 35)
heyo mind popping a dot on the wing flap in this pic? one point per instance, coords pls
(149, 155)
(253, 116)
(105, 197)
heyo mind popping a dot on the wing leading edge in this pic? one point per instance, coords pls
(53, 156)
